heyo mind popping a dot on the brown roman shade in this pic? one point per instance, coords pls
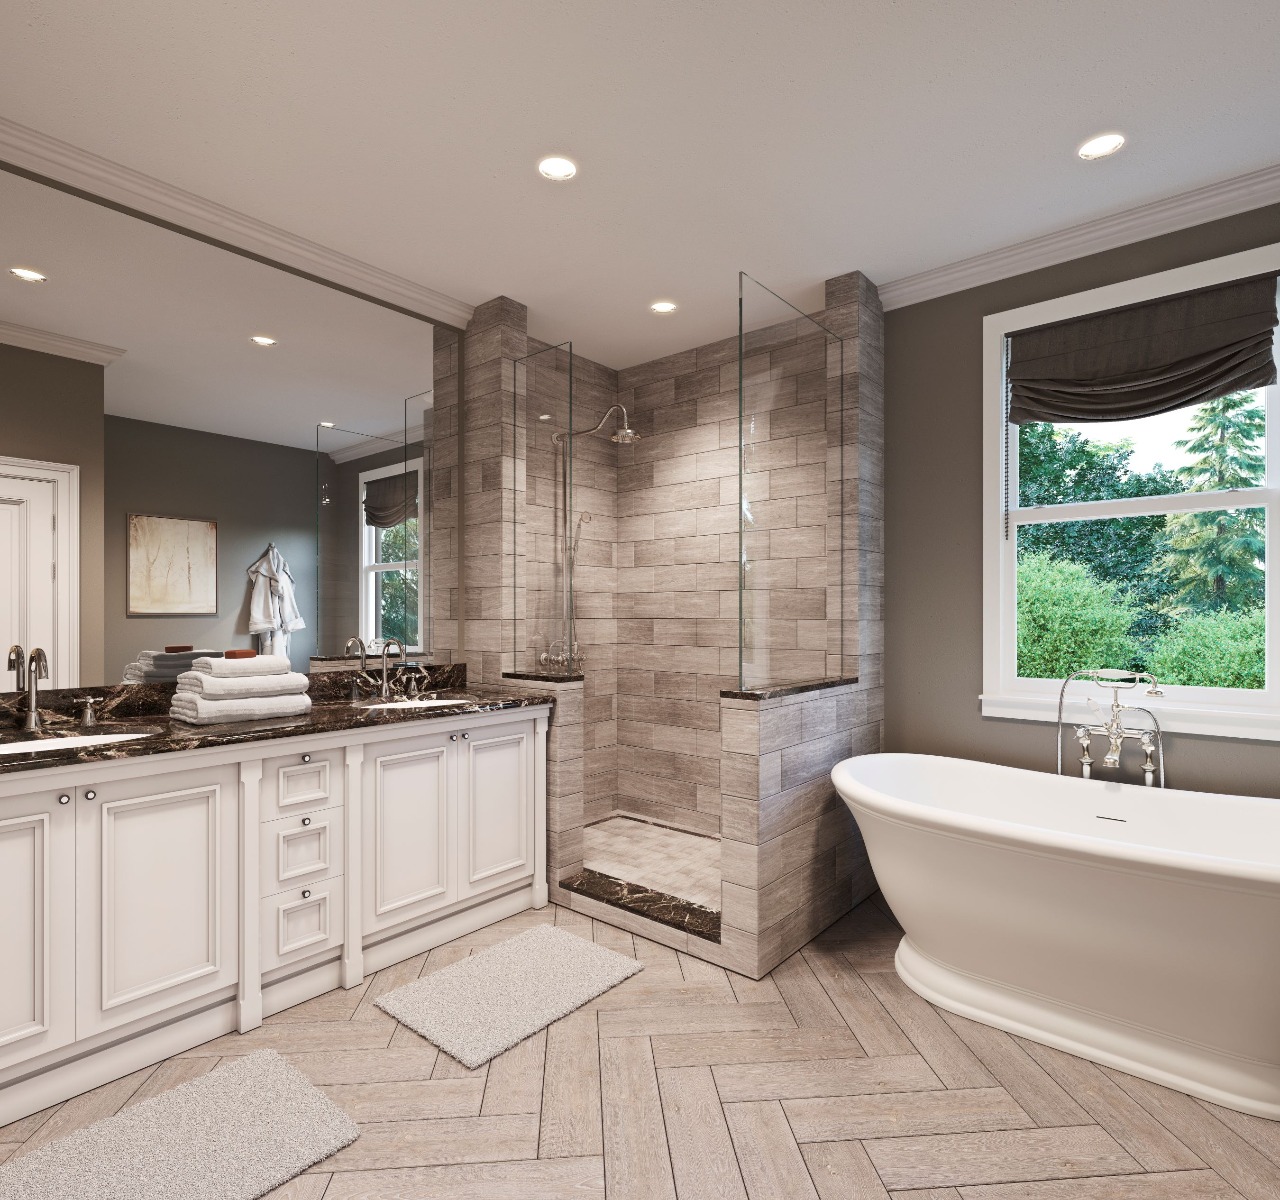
(1146, 359)
(390, 500)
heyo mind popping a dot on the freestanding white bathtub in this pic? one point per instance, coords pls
(1137, 927)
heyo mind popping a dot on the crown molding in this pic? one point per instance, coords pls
(362, 449)
(58, 343)
(1222, 199)
(33, 151)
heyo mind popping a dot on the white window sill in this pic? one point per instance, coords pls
(1257, 724)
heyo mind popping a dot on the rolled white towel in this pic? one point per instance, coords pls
(247, 687)
(236, 668)
(200, 710)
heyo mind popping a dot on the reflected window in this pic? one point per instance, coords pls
(391, 555)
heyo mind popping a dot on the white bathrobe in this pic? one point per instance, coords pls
(273, 608)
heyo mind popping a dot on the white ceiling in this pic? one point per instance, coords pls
(796, 140)
(184, 311)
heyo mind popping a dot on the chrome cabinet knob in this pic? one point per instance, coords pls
(453, 737)
(306, 820)
(306, 893)
(466, 737)
(64, 799)
(91, 795)
(306, 758)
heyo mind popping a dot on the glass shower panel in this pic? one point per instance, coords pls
(541, 537)
(791, 536)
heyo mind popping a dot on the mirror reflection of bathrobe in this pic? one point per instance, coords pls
(273, 607)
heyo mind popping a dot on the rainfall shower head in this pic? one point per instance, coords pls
(625, 436)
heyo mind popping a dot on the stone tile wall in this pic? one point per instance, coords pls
(544, 378)
(564, 776)
(791, 857)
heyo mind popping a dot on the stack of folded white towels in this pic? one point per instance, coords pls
(239, 689)
(156, 666)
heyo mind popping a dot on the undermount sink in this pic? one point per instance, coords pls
(413, 703)
(48, 745)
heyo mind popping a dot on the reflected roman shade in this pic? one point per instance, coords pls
(390, 500)
(1146, 359)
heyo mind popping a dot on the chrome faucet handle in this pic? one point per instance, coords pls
(18, 664)
(89, 718)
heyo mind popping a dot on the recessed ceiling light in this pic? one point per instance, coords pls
(260, 339)
(663, 306)
(557, 168)
(28, 275)
(544, 416)
(1101, 146)
(326, 424)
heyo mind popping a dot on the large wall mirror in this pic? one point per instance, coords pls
(152, 451)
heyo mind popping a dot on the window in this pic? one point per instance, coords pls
(1140, 544)
(392, 556)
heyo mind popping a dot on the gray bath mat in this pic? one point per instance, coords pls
(233, 1134)
(479, 1007)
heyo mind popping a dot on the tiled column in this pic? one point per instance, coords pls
(445, 489)
(854, 312)
(492, 448)
(791, 858)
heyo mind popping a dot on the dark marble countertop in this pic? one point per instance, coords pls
(144, 709)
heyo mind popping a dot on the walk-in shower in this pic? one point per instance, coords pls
(565, 654)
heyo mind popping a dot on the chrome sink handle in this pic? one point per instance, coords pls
(18, 665)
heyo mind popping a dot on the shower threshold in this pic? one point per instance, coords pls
(662, 907)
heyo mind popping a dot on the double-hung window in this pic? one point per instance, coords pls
(1146, 539)
(392, 555)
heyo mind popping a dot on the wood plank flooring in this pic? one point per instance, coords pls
(829, 1080)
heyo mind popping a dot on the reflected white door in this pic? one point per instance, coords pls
(28, 554)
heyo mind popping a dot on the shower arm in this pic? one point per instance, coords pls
(558, 438)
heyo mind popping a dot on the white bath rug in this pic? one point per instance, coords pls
(479, 1007)
(232, 1134)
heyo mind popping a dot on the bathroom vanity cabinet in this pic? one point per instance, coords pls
(153, 902)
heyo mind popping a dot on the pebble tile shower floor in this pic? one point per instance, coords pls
(827, 1079)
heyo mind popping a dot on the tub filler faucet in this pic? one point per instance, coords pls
(1112, 726)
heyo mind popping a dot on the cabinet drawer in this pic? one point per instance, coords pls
(299, 849)
(301, 922)
(298, 782)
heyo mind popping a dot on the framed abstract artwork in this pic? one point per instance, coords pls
(172, 567)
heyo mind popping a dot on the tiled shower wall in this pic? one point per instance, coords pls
(678, 548)
(545, 382)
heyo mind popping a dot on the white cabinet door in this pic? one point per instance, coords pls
(495, 806)
(37, 924)
(157, 897)
(408, 866)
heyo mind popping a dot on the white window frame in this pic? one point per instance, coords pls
(1220, 712)
(370, 568)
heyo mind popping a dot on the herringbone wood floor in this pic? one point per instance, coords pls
(829, 1079)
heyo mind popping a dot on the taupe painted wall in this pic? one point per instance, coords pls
(933, 532)
(51, 410)
(257, 492)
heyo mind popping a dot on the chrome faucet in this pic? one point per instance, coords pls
(357, 692)
(1112, 726)
(384, 692)
(37, 669)
(18, 665)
